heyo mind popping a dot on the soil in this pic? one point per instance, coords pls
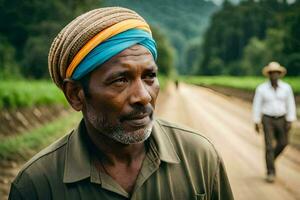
(13, 122)
(248, 97)
(19, 121)
(241, 94)
(226, 121)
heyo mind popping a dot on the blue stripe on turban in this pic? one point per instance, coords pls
(113, 46)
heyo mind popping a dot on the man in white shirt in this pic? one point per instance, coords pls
(274, 107)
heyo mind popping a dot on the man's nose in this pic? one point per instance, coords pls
(140, 93)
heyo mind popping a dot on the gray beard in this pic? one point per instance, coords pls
(133, 137)
(117, 132)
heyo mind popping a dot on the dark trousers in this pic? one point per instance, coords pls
(274, 128)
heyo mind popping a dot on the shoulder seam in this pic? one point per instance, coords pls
(189, 131)
(38, 158)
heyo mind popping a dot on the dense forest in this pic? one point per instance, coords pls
(196, 37)
(28, 28)
(243, 38)
(183, 23)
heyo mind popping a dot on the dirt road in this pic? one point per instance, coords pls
(226, 121)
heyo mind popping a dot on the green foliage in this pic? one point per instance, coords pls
(24, 145)
(25, 93)
(16, 94)
(293, 63)
(245, 37)
(259, 53)
(193, 54)
(181, 21)
(29, 28)
(292, 40)
(163, 80)
(245, 83)
(254, 55)
(8, 66)
(35, 62)
(165, 60)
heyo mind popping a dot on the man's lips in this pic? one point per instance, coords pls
(138, 120)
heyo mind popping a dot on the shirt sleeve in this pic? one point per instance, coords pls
(291, 106)
(23, 189)
(14, 193)
(256, 107)
(221, 187)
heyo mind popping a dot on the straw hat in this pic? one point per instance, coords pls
(274, 67)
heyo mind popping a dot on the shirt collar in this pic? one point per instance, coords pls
(279, 83)
(163, 145)
(78, 159)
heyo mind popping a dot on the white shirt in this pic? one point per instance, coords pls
(269, 101)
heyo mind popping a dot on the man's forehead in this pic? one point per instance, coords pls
(127, 61)
(135, 55)
(134, 51)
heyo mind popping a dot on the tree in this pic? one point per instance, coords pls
(8, 66)
(291, 49)
(192, 56)
(258, 53)
(25, 24)
(229, 38)
(165, 60)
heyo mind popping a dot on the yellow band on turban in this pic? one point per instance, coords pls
(101, 37)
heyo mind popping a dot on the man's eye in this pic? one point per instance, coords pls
(119, 81)
(151, 75)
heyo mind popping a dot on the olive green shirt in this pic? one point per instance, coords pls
(179, 164)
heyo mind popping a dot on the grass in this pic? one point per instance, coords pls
(15, 94)
(28, 143)
(163, 80)
(246, 83)
(29, 93)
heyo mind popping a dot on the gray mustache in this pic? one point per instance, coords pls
(138, 110)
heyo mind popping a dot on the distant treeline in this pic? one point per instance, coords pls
(237, 40)
(28, 28)
(243, 38)
(183, 23)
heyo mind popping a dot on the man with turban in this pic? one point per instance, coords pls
(104, 62)
(274, 107)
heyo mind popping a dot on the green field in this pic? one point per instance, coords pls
(25, 144)
(246, 83)
(30, 93)
(25, 93)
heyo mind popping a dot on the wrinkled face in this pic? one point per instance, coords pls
(274, 75)
(122, 95)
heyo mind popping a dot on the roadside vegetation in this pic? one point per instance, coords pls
(163, 81)
(248, 83)
(16, 94)
(26, 144)
(24, 93)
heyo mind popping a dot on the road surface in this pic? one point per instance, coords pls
(226, 121)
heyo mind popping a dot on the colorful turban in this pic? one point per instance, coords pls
(93, 38)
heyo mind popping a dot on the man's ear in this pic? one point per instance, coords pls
(74, 94)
